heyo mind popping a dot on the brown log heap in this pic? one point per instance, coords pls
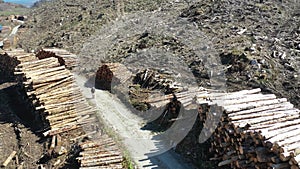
(110, 73)
(255, 131)
(52, 89)
(7, 66)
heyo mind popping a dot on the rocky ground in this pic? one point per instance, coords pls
(257, 42)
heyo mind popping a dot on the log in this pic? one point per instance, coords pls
(293, 146)
(43, 72)
(258, 114)
(247, 99)
(9, 158)
(36, 63)
(280, 115)
(234, 94)
(102, 161)
(107, 72)
(271, 123)
(282, 124)
(225, 162)
(98, 156)
(272, 132)
(59, 104)
(52, 145)
(88, 152)
(52, 79)
(285, 156)
(87, 145)
(60, 130)
(104, 167)
(283, 133)
(251, 105)
(55, 85)
(289, 140)
(6, 85)
(262, 108)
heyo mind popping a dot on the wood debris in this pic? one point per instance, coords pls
(9, 158)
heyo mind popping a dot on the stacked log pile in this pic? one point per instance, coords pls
(255, 131)
(7, 66)
(103, 154)
(56, 97)
(69, 58)
(111, 73)
(53, 86)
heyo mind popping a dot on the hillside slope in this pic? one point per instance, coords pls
(68, 23)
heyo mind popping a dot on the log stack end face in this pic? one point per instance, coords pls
(110, 75)
(104, 77)
(266, 132)
(7, 66)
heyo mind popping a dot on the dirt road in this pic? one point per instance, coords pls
(139, 143)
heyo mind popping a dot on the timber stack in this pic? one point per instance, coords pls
(255, 130)
(70, 59)
(102, 154)
(52, 86)
(65, 113)
(7, 65)
(110, 74)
